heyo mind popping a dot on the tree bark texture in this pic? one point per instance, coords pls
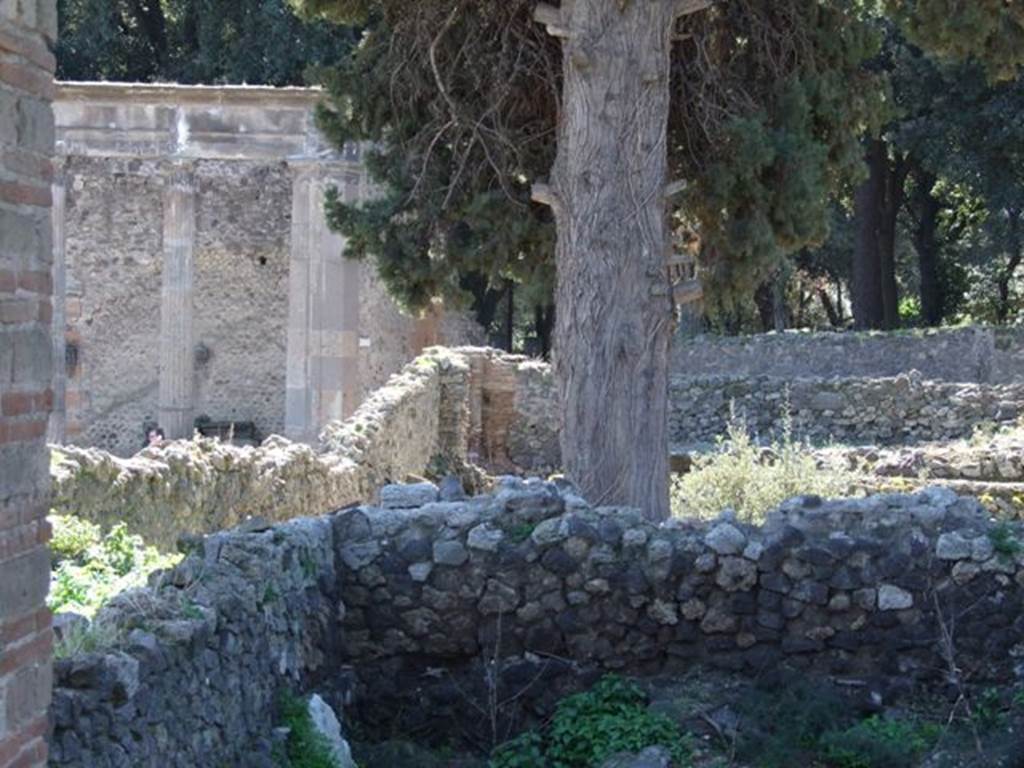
(927, 246)
(877, 205)
(867, 276)
(614, 319)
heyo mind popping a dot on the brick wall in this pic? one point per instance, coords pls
(27, 29)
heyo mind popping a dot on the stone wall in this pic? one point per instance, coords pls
(399, 604)
(437, 409)
(27, 31)
(201, 279)
(973, 354)
(857, 410)
(198, 665)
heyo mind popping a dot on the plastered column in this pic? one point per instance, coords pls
(323, 311)
(177, 375)
(56, 428)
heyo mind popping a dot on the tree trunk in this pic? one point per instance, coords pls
(614, 319)
(510, 318)
(1006, 275)
(830, 309)
(543, 325)
(895, 180)
(867, 277)
(927, 247)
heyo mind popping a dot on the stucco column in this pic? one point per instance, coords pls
(177, 376)
(55, 432)
(323, 312)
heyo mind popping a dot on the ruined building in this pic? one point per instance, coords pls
(200, 283)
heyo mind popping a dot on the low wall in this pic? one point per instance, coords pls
(444, 407)
(194, 674)
(973, 354)
(394, 601)
(873, 411)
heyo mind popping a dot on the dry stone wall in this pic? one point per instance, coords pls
(391, 604)
(973, 354)
(434, 414)
(199, 662)
(883, 411)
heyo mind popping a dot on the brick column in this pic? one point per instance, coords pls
(27, 28)
(323, 313)
(177, 370)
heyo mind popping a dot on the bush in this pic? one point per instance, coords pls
(590, 727)
(749, 479)
(878, 743)
(90, 568)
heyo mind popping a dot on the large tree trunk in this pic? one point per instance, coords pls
(927, 247)
(614, 319)
(867, 267)
(877, 206)
(892, 202)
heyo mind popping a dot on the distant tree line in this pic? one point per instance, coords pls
(194, 41)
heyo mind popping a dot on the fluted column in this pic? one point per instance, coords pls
(177, 376)
(323, 310)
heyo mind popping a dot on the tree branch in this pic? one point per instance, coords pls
(545, 195)
(550, 17)
(686, 7)
(673, 188)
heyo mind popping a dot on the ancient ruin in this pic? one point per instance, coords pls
(195, 274)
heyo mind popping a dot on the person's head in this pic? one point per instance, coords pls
(155, 436)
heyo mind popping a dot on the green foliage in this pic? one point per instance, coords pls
(590, 727)
(878, 743)
(193, 41)
(790, 720)
(90, 568)
(990, 31)
(73, 538)
(1004, 543)
(750, 479)
(306, 746)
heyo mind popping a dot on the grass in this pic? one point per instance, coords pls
(750, 479)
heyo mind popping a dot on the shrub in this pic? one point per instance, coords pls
(749, 479)
(590, 727)
(91, 568)
(878, 743)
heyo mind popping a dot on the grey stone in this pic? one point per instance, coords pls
(326, 724)
(420, 572)
(451, 489)
(726, 539)
(893, 598)
(450, 553)
(952, 546)
(485, 537)
(736, 574)
(408, 496)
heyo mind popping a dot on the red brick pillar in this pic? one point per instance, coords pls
(27, 31)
